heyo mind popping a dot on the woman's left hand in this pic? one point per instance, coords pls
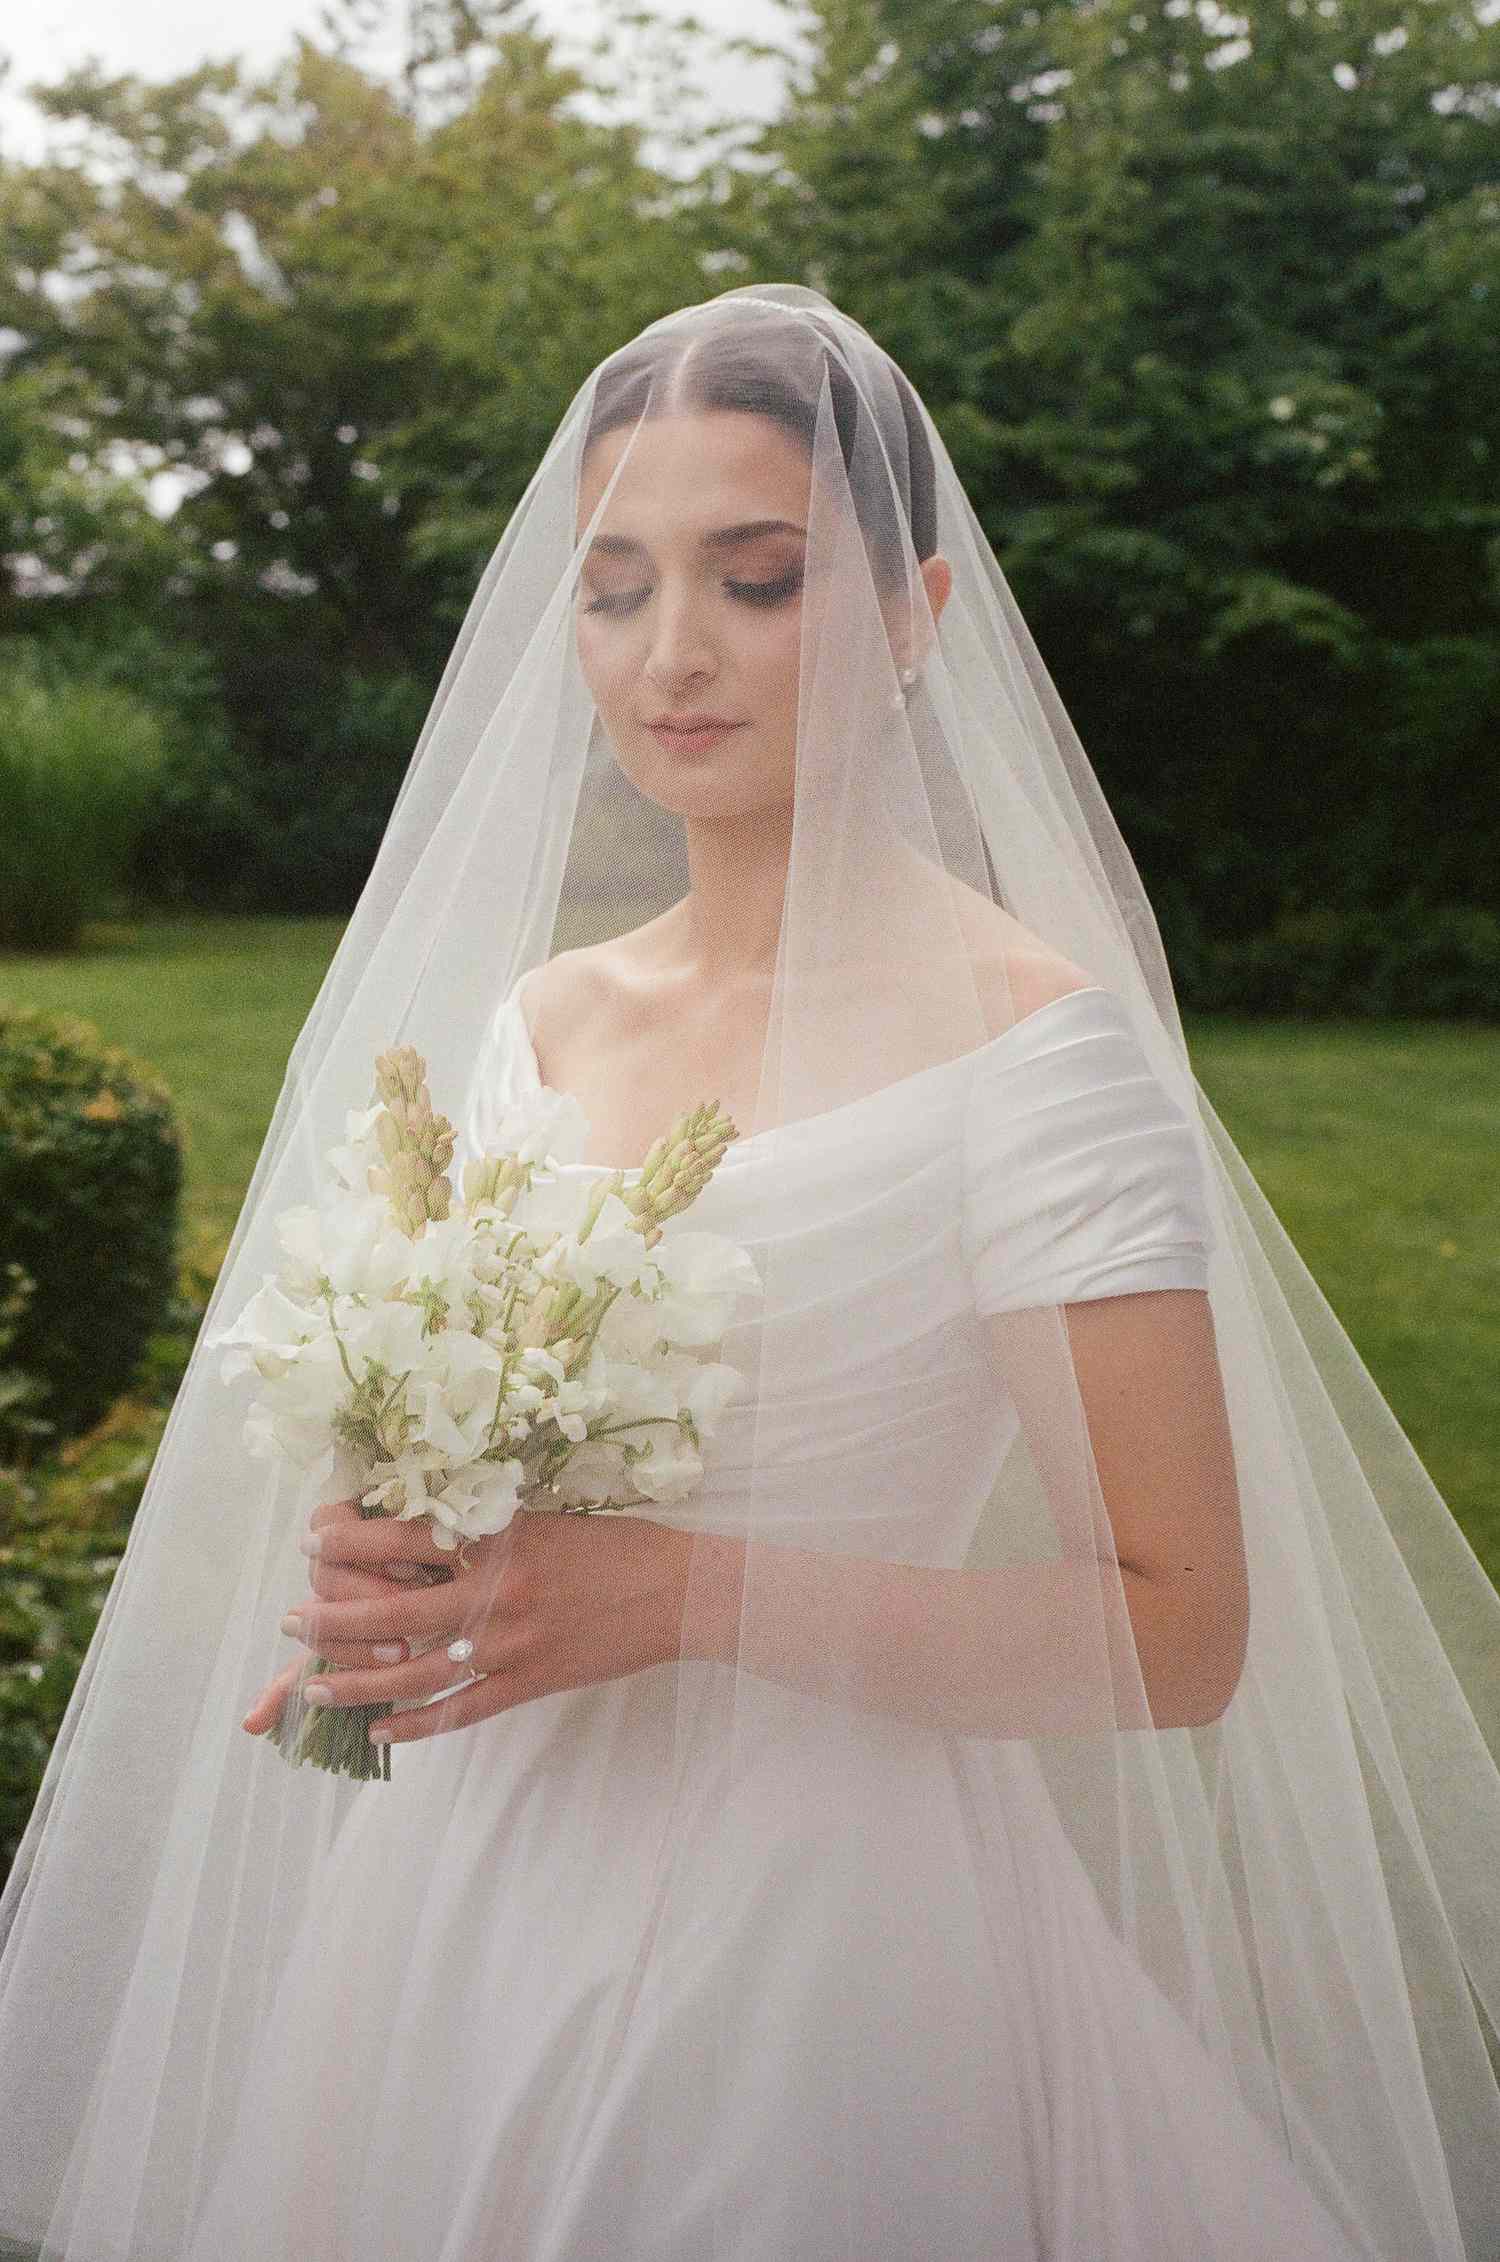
(553, 1602)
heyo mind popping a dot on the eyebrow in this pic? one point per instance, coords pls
(720, 538)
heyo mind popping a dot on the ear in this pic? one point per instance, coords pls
(937, 579)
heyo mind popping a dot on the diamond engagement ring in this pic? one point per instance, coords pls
(461, 1650)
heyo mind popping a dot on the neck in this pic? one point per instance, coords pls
(737, 868)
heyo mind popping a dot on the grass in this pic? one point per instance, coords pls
(215, 1005)
(1373, 1142)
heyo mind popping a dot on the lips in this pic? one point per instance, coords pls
(691, 733)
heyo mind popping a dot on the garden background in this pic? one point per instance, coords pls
(1205, 307)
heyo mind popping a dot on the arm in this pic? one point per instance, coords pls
(1054, 1648)
(968, 1651)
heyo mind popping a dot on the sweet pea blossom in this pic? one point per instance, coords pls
(539, 1340)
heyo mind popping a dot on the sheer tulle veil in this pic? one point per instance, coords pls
(1308, 1879)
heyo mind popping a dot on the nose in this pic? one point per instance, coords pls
(681, 650)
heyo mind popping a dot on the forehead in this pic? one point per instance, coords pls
(684, 475)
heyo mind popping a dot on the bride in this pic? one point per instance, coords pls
(1034, 1798)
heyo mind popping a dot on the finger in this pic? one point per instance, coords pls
(364, 1654)
(421, 1676)
(267, 1708)
(336, 1511)
(332, 1513)
(335, 1582)
(370, 1540)
(478, 1700)
(413, 1612)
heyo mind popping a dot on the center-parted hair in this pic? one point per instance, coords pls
(775, 365)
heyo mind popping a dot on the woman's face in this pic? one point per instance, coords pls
(690, 606)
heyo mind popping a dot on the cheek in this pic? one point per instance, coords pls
(776, 656)
(602, 660)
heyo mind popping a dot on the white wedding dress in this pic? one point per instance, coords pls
(483, 2048)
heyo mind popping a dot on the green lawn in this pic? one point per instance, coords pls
(215, 1005)
(1373, 1142)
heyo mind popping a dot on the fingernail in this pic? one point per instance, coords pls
(318, 1692)
(388, 1653)
(311, 1543)
(291, 1623)
(379, 1734)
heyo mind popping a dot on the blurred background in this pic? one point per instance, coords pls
(1206, 305)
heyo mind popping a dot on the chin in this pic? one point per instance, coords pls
(710, 784)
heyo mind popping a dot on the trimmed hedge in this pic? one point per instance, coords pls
(90, 1191)
(1428, 963)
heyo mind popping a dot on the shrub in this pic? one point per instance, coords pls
(90, 1184)
(1440, 962)
(54, 1578)
(76, 766)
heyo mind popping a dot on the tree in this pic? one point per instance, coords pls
(1200, 305)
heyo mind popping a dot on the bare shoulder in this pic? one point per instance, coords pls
(574, 986)
(560, 993)
(1015, 971)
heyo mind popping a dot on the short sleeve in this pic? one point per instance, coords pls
(1082, 1175)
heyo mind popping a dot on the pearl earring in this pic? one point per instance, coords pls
(906, 677)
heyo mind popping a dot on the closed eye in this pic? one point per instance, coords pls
(768, 592)
(747, 592)
(625, 602)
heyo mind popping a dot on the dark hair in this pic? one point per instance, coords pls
(774, 366)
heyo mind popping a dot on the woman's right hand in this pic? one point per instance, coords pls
(336, 1583)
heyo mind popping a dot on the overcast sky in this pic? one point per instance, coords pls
(159, 38)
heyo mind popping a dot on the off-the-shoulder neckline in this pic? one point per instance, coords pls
(738, 1146)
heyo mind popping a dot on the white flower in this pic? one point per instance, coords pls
(296, 1410)
(592, 1472)
(614, 1252)
(669, 1472)
(632, 1392)
(407, 1475)
(713, 1386)
(271, 1436)
(444, 1257)
(453, 1393)
(269, 1334)
(477, 1500)
(631, 1329)
(703, 1273)
(357, 1304)
(524, 1397)
(543, 1127)
(389, 1335)
(353, 1244)
(574, 1405)
(549, 1206)
(351, 1162)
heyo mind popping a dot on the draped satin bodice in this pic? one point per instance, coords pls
(1046, 1166)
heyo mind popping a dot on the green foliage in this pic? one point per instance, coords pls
(1205, 314)
(90, 1178)
(77, 763)
(62, 1535)
(1443, 964)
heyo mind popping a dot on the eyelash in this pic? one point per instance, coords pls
(749, 592)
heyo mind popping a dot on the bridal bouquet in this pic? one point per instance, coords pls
(532, 1346)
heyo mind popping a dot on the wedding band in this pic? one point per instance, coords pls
(460, 1650)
